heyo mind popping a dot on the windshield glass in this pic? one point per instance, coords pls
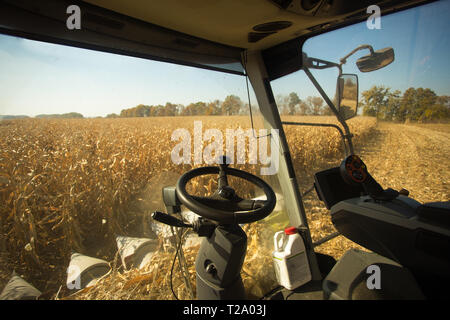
(401, 130)
(89, 140)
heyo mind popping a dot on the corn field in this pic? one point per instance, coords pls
(73, 185)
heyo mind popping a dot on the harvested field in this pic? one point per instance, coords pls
(73, 184)
(398, 156)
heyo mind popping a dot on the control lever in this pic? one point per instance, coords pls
(169, 220)
(203, 227)
(354, 172)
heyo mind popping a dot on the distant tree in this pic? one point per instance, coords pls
(436, 112)
(439, 110)
(282, 102)
(124, 113)
(72, 115)
(326, 111)
(315, 104)
(294, 100)
(180, 109)
(213, 108)
(62, 116)
(304, 108)
(392, 108)
(245, 110)
(12, 117)
(442, 108)
(374, 100)
(170, 109)
(112, 115)
(408, 104)
(414, 105)
(418, 104)
(444, 101)
(153, 111)
(194, 109)
(231, 105)
(141, 111)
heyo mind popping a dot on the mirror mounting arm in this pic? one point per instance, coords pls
(361, 47)
(347, 135)
(314, 63)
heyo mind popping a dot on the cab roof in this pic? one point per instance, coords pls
(210, 34)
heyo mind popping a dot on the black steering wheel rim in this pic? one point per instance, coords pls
(223, 216)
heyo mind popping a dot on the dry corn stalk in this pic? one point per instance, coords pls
(67, 185)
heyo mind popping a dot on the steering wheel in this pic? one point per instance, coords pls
(225, 206)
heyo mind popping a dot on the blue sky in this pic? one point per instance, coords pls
(421, 44)
(41, 78)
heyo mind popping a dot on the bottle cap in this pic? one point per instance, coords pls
(290, 230)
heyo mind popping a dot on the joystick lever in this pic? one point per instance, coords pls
(354, 172)
(203, 227)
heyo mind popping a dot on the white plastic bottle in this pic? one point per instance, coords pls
(290, 259)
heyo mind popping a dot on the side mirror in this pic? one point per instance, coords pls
(376, 60)
(347, 87)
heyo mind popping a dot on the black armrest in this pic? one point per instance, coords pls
(437, 213)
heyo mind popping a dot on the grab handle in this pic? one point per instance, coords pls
(278, 240)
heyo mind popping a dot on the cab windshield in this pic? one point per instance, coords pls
(90, 139)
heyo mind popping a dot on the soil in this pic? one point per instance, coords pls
(412, 157)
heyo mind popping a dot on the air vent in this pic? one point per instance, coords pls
(309, 4)
(256, 36)
(90, 17)
(272, 26)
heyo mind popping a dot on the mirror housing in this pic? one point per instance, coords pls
(347, 94)
(376, 60)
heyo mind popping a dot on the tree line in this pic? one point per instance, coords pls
(69, 115)
(419, 104)
(232, 105)
(291, 104)
(381, 102)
